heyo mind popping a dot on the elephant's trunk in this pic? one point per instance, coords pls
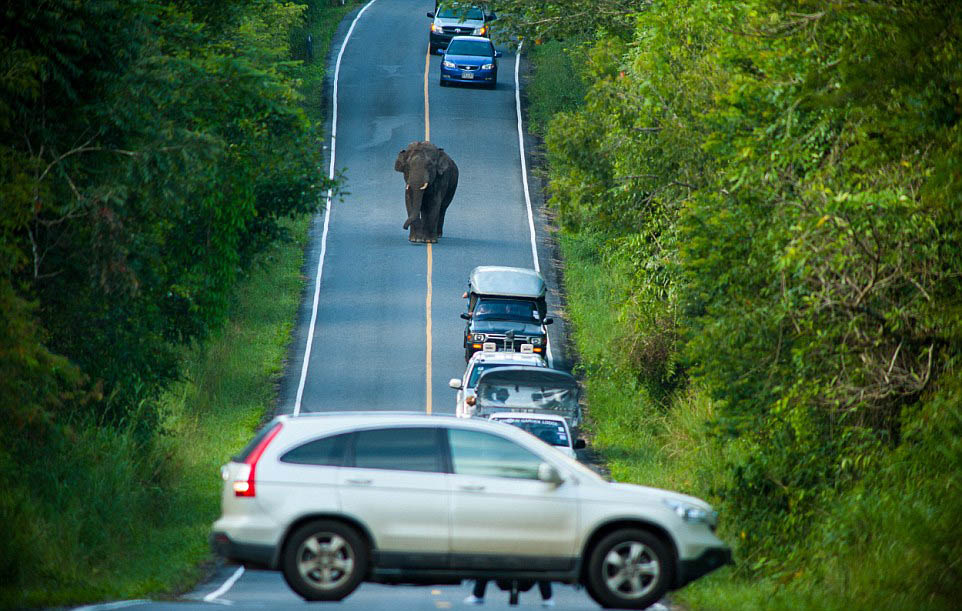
(417, 196)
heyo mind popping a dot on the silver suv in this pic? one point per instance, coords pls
(332, 500)
(480, 362)
(453, 19)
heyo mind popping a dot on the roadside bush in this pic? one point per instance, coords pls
(770, 186)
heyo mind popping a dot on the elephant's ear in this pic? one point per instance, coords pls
(445, 163)
(401, 161)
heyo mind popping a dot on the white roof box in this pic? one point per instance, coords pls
(507, 281)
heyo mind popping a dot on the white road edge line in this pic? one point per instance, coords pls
(327, 220)
(524, 176)
(115, 605)
(227, 585)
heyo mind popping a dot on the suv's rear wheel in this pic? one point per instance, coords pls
(325, 560)
(629, 569)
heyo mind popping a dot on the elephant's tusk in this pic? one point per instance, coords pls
(424, 186)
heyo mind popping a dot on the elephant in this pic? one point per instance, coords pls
(431, 178)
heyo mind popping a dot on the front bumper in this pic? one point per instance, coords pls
(462, 76)
(709, 560)
(500, 345)
(443, 37)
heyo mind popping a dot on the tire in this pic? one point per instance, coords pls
(442, 83)
(629, 569)
(325, 560)
(468, 353)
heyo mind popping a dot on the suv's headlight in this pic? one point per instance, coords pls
(481, 31)
(487, 67)
(536, 341)
(448, 64)
(477, 337)
(693, 513)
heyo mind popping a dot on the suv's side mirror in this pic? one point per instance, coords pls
(466, 315)
(548, 321)
(549, 474)
(455, 383)
(431, 15)
(580, 444)
(490, 16)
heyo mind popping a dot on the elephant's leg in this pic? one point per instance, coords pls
(414, 233)
(429, 225)
(414, 229)
(451, 187)
(429, 216)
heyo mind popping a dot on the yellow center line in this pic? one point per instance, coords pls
(427, 305)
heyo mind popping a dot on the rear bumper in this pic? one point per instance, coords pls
(709, 560)
(244, 553)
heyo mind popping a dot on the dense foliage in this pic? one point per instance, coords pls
(778, 185)
(149, 149)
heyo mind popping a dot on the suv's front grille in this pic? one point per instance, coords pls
(455, 30)
(462, 67)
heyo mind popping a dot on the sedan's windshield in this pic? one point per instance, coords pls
(549, 431)
(461, 13)
(506, 309)
(470, 47)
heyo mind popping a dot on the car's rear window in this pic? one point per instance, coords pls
(548, 431)
(471, 47)
(328, 451)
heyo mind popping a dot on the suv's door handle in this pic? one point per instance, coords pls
(359, 481)
(470, 488)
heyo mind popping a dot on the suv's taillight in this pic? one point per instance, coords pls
(244, 482)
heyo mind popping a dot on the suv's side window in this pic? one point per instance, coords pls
(399, 449)
(477, 453)
(328, 451)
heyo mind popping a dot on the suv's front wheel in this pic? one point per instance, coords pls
(629, 569)
(325, 560)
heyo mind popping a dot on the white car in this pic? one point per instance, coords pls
(551, 429)
(332, 500)
(480, 362)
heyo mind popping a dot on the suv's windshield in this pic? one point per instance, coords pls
(481, 368)
(506, 309)
(458, 13)
(470, 47)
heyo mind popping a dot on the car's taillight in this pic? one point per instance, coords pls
(244, 483)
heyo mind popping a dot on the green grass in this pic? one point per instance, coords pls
(322, 21)
(556, 86)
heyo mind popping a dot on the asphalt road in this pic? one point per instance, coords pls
(374, 319)
(381, 329)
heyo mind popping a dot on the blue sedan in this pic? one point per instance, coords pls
(470, 59)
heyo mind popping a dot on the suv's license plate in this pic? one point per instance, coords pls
(467, 75)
